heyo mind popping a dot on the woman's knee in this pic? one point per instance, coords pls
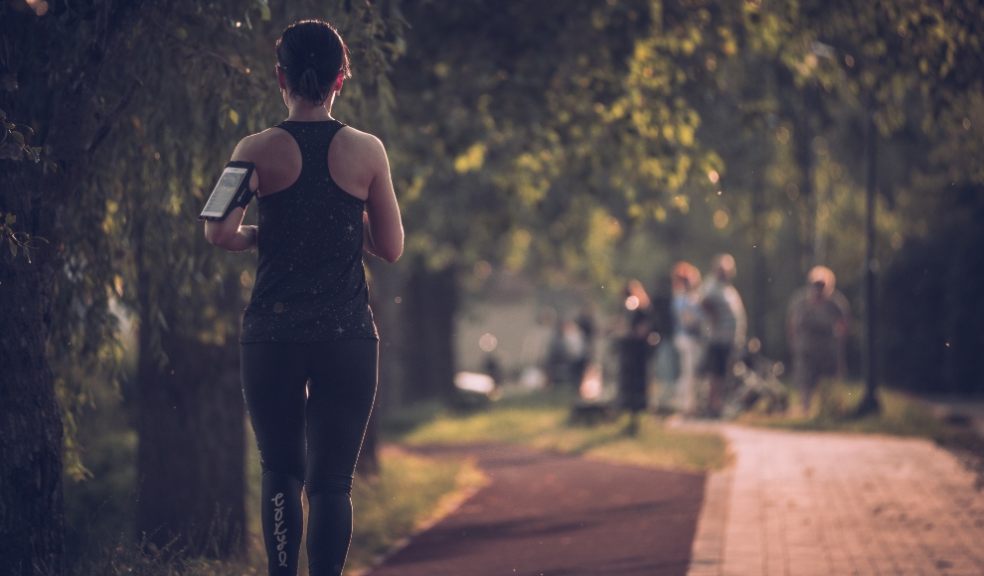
(283, 465)
(328, 484)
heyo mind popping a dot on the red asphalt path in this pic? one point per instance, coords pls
(546, 514)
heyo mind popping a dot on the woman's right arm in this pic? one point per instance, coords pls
(230, 233)
(384, 226)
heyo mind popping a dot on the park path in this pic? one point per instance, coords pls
(545, 514)
(820, 503)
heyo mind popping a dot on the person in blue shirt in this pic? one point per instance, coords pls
(687, 320)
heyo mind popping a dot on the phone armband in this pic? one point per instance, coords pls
(231, 191)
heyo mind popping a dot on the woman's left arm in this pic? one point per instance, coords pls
(230, 233)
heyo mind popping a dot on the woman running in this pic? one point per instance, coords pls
(308, 342)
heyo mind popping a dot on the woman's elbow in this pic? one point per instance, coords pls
(389, 245)
(215, 236)
(391, 254)
(392, 249)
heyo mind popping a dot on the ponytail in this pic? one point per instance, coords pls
(309, 87)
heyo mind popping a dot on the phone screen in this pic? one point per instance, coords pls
(224, 192)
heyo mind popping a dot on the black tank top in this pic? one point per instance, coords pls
(310, 281)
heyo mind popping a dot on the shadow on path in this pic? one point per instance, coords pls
(546, 514)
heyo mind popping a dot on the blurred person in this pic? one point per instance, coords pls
(575, 346)
(817, 321)
(725, 321)
(533, 356)
(558, 357)
(663, 367)
(585, 323)
(687, 320)
(492, 366)
(309, 345)
(634, 350)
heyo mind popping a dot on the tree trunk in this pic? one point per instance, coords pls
(757, 324)
(191, 468)
(804, 160)
(31, 507)
(386, 286)
(870, 402)
(430, 308)
(191, 456)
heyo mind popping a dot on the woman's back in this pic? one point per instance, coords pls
(310, 283)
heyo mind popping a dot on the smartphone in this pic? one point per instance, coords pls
(230, 191)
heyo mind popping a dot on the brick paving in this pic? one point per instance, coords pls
(830, 504)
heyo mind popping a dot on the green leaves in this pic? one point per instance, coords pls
(13, 141)
(17, 242)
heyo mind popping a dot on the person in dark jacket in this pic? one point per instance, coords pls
(634, 352)
(817, 319)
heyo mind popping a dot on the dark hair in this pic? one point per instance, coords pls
(312, 54)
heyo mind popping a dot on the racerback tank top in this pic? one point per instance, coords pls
(310, 280)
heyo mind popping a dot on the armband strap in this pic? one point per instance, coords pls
(231, 191)
(244, 197)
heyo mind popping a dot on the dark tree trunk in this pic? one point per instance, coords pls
(430, 307)
(386, 287)
(804, 160)
(191, 469)
(799, 107)
(757, 324)
(191, 455)
(31, 508)
(870, 402)
(59, 109)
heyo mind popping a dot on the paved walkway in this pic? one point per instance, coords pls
(552, 515)
(816, 503)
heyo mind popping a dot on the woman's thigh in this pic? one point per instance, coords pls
(340, 397)
(274, 375)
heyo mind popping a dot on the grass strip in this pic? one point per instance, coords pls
(835, 409)
(542, 421)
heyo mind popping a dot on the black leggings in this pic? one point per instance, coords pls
(309, 404)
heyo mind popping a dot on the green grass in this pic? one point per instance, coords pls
(406, 494)
(834, 409)
(541, 421)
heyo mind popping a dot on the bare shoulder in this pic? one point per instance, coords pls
(359, 142)
(256, 146)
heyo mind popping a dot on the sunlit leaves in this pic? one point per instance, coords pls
(112, 222)
(603, 233)
(471, 159)
(517, 249)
